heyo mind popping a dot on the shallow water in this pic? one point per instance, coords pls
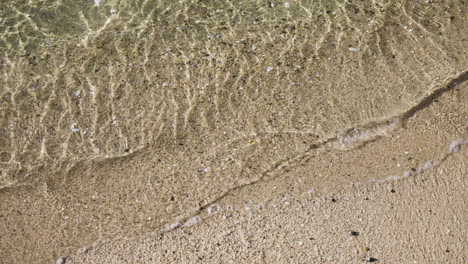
(148, 111)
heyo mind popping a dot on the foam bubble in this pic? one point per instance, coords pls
(193, 221)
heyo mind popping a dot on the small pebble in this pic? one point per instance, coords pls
(269, 69)
(61, 260)
(370, 260)
(354, 233)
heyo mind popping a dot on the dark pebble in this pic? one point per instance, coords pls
(333, 200)
(371, 260)
(354, 233)
(392, 191)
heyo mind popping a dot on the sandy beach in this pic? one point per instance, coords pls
(233, 132)
(415, 215)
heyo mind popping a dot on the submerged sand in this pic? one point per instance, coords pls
(255, 131)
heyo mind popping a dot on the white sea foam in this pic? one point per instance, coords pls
(455, 145)
(192, 221)
(173, 226)
(356, 137)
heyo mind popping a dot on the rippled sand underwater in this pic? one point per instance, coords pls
(131, 114)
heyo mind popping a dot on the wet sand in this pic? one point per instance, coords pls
(256, 132)
(409, 207)
(418, 220)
